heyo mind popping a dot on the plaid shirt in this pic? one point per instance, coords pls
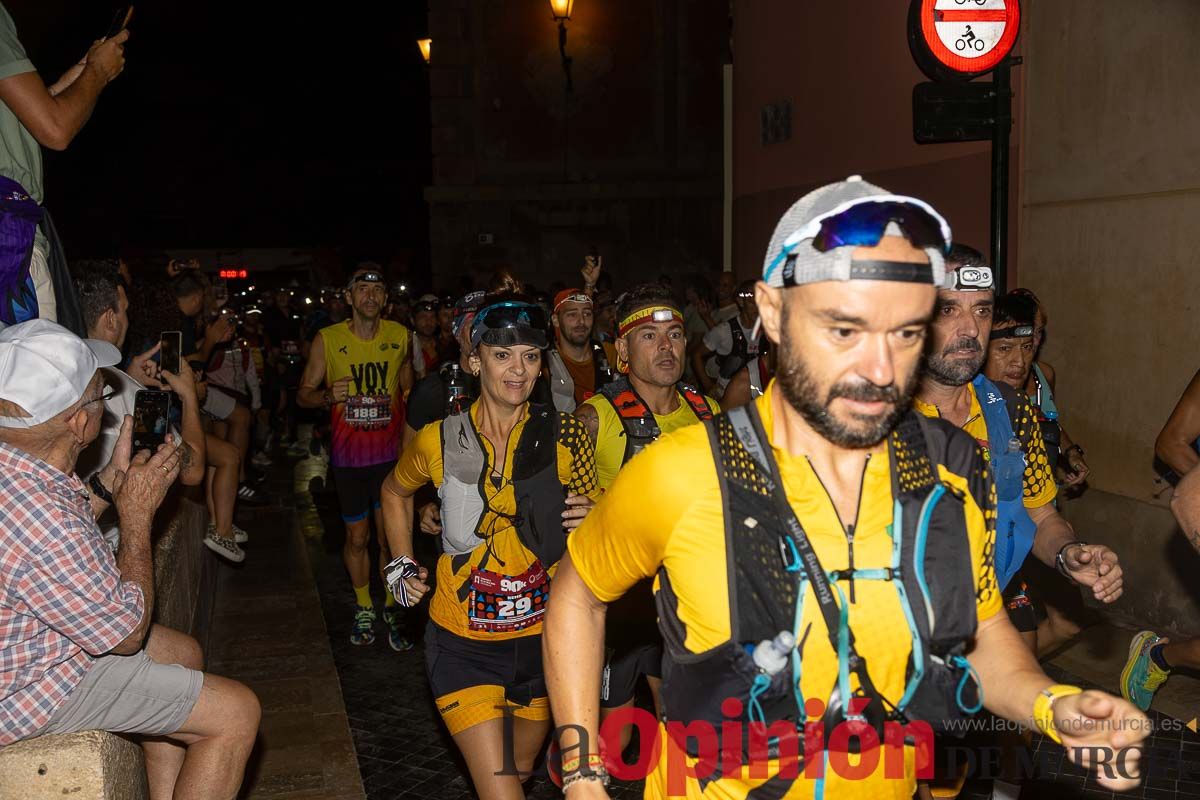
(62, 601)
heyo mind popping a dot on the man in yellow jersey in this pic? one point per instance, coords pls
(825, 592)
(361, 370)
(647, 401)
(1005, 426)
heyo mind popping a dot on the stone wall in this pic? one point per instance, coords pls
(94, 764)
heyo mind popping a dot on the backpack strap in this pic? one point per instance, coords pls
(697, 401)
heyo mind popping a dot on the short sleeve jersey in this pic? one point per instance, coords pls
(20, 153)
(421, 463)
(366, 428)
(1039, 486)
(626, 538)
(610, 435)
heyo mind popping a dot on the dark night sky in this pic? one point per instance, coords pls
(243, 124)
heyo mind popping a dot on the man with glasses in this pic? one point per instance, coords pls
(577, 366)
(78, 650)
(733, 342)
(360, 371)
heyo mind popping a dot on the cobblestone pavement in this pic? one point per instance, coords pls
(404, 751)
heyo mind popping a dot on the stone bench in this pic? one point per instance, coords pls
(95, 764)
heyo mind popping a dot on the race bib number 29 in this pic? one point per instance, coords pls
(501, 603)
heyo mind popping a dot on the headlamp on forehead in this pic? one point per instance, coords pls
(365, 277)
(1015, 332)
(969, 279)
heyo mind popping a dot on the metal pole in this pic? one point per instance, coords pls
(1001, 128)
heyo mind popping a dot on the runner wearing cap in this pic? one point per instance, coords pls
(425, 336)
(577, 366)
(742, 519)
(647, 401)
(359, 370)
(513, 477)
(1006, 428)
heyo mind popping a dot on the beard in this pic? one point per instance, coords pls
(956, 372)
(801, 391)
(576, 337)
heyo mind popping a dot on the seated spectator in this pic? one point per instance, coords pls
(105, 310)
(78, 650)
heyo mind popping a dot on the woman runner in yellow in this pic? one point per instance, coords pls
(513, 478)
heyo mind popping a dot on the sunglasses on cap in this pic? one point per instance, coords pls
(509, 323)
(864, 225)
(365, 277)
(574, 298)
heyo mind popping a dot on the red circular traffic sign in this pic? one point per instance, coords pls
(969, 37)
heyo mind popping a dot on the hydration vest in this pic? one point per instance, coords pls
(1047, 415)
(930, 569)
(540, 495)
(636, 417)
(1014, 529)
(562, 386)
(743, 350)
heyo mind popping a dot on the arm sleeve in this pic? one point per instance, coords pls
(979, 511)
(1038, 480)
(624, 539)
(415, 468)
(75, 588)
(576, 457)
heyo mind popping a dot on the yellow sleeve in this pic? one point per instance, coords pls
(421, 461)
(713, 404)
(1038, 480)
(625, 537)
(979, 510)
(610, 440)
(576, 457)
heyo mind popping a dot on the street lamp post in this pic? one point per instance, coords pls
(561, 11)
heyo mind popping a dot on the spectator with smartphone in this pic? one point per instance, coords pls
(80, 651)
(199, 342)
(105, 308)
(34, 275)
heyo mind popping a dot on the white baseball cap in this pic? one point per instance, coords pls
(45, 369)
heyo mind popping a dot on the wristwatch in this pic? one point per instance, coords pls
(98, 489)
(1059, 563)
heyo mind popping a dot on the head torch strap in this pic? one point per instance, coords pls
(365, 277)
(903, 271)
(1014, 332)
(646, 315)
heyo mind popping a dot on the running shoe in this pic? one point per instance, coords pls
(1141, 677)
(239, 535)
(226, 548)
(297, 450)
(261, 460)
(396, 638)
(248, 494)
(363, 631)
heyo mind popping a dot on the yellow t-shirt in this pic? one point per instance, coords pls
(1038, 481)
(421, 463)
(610, 436)
(664, 510)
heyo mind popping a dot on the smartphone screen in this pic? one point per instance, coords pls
(120, 21)
(170, 343)
(151, 415)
